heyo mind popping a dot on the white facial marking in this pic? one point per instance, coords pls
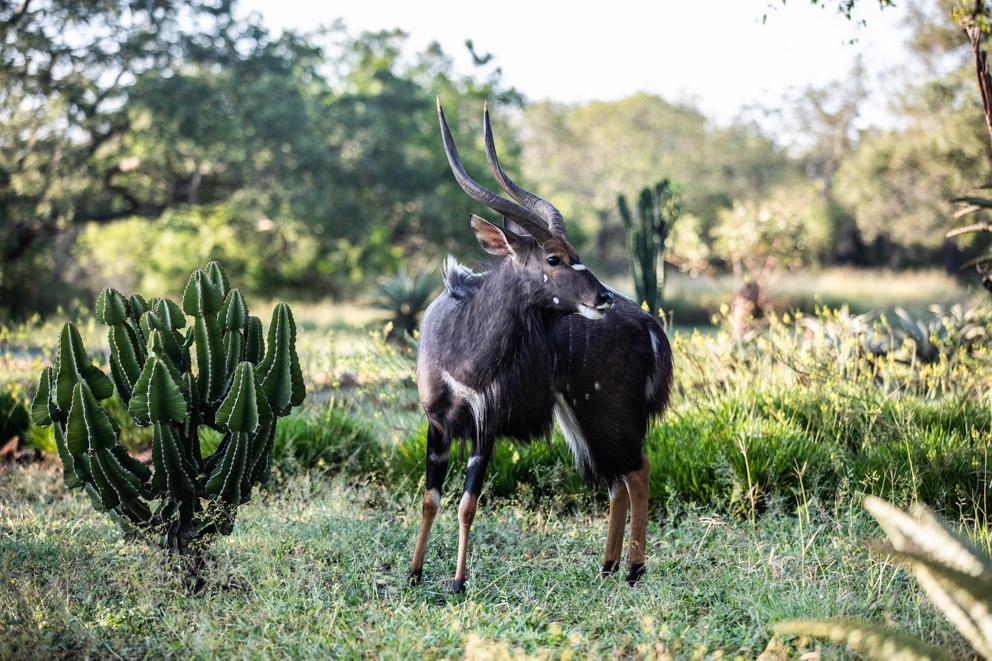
(588, 396)
(597, 386)
(579, 267)
(555, 299)
(591, 313)
(545, 277)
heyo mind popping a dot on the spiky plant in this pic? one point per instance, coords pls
(217, 372)
(406, 297)
(657, 210)
(956, 577)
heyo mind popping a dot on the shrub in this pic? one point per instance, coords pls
(331, 440)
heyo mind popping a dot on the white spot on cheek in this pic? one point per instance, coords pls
(545, 277)
(597, 386)
(555, 299)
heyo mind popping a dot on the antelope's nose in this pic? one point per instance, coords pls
(604, 300)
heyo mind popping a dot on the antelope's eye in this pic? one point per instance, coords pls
(554, 260)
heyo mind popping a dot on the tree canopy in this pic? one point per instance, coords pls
(142, 138)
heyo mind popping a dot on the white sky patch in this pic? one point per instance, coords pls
(722, 55)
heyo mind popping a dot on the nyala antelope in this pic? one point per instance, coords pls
(534, 337)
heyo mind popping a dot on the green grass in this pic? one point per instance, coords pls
(317, 570)
(758, 472)
(695, 300)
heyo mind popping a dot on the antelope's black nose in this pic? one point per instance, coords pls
(605, 299)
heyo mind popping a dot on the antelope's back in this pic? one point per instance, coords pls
(614, 374)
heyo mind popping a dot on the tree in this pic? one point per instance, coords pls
(825, 118)
(897, 183)
(302, 161)
(66, 71)
(756, 237)
(584, 154)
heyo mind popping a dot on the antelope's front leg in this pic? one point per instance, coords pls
(637, 487)
(437, 468)
(474, 476)
(617, 522)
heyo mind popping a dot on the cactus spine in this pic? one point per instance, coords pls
(657, 210)
(218, 372)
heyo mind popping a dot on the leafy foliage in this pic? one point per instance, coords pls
(584, 154)
(224, 135)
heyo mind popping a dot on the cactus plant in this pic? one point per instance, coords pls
(218, 373)
(657, 210)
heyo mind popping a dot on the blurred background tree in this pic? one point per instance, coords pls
(142, 138)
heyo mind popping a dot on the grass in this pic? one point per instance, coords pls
(694, 301)
(758, 472)
(317, 570)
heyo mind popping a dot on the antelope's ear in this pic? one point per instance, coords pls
(513, 226)
(494, 239)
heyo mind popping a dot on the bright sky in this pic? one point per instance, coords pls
(717, 54)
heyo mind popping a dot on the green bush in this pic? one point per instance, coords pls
(14, 417)
(332, 439)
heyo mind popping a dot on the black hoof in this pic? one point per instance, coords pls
(413, 578)
(609, 568)
(458, 585)
(634, 573)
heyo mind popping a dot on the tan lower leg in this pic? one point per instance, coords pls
(466, 516)
(617, 522)
(637, 486)
(432, 501)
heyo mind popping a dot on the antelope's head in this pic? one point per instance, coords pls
(532, 238)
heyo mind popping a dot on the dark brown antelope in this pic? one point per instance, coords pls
(534, 337)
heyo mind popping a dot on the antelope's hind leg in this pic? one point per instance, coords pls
(438, 449)
(617, 522)
(637, 487)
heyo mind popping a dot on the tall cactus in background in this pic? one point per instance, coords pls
(657, 210)
(217, 373)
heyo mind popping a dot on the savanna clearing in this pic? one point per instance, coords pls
(758, 475)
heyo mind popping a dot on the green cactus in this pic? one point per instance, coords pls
(218, 372)
(657, 210)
